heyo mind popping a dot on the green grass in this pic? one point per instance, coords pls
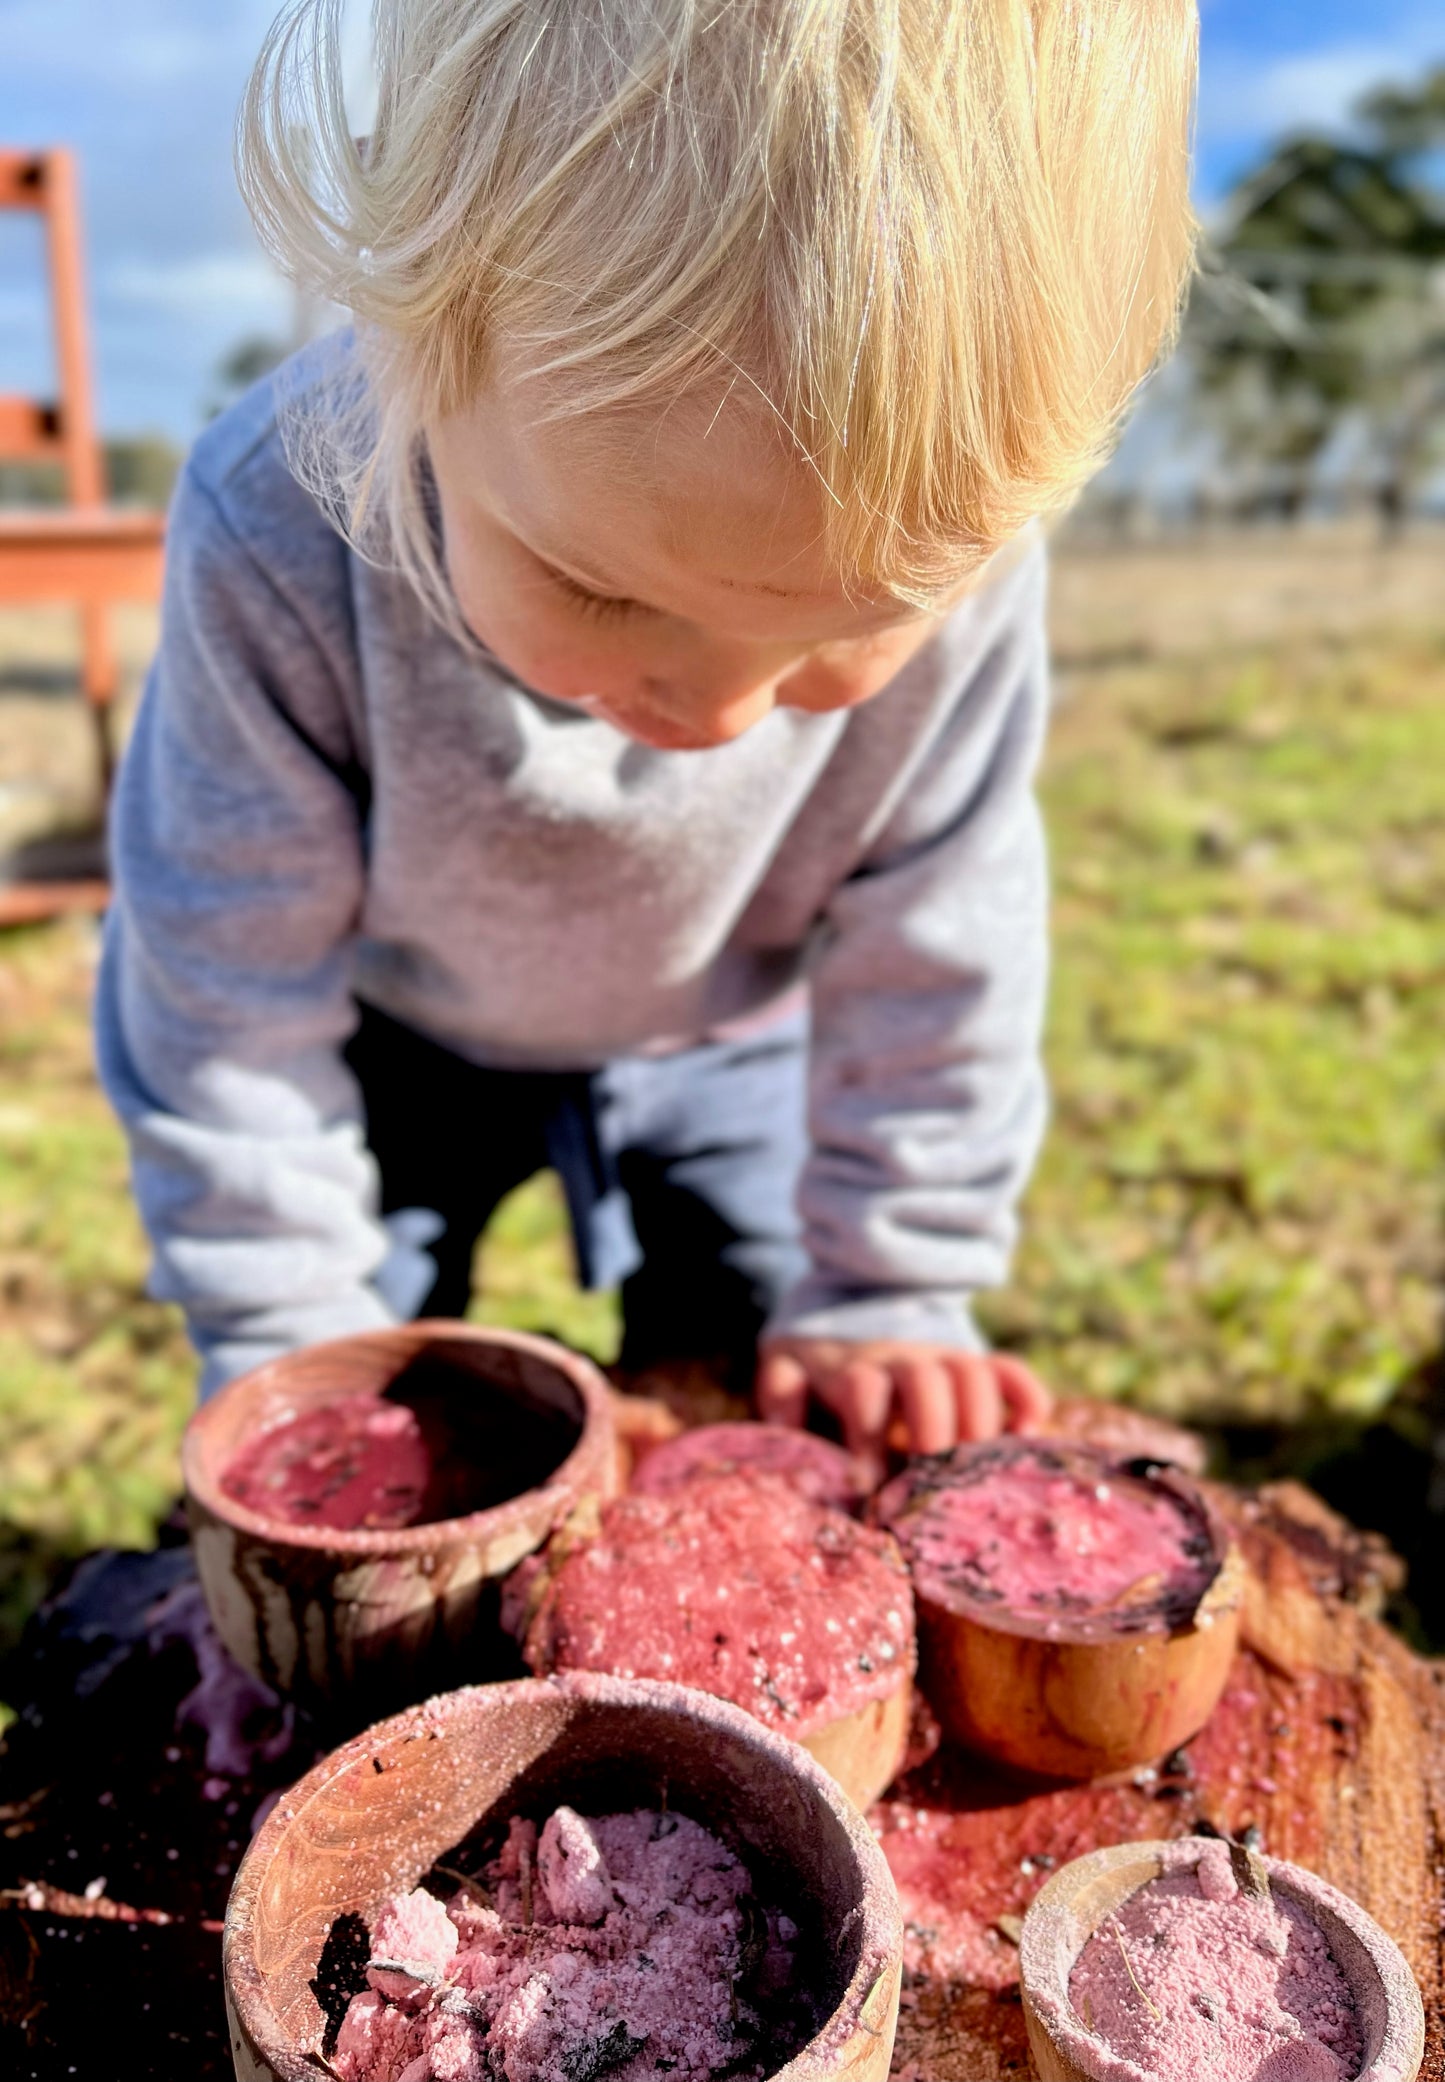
(1238, 1215)
(95, 1380)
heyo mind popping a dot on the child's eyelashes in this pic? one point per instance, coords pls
(601, 607)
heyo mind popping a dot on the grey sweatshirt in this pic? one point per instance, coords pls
(327, 798)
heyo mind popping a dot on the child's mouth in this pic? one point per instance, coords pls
(658, 733)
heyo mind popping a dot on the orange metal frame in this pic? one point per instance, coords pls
(85, 552)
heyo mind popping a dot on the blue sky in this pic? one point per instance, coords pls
(146, 89)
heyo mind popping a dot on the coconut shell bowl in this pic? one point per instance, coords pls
(1063, 1692)
(357, 1621)
(1081, 1895)
(440, 1782)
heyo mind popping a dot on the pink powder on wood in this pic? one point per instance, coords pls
(736, 1585)
(624, 1946)
(1049, 1532)
(1193, 1980)
(820, 1472)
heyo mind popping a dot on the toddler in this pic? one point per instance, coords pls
(598, 696)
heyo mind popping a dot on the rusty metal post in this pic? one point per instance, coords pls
(79, 440)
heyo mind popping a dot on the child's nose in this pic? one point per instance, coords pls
(725, 707)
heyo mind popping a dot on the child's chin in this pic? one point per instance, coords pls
(666, 737)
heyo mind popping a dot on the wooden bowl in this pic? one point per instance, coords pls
(1067, 1910)
(375, 1815)
(864, 1751)
(1126, 1434)
(1074, 1697)
(814, 1467)
(862, 1748)
(360, 1622)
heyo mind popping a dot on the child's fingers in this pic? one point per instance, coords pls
(862, 1396)
(1029, 1401)
(926, 1394)
(978, 1401)
(782, 1389)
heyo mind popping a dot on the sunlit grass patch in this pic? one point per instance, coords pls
(1238, 1214)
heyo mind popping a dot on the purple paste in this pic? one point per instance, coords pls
(628, 1946)
(1192, 1980)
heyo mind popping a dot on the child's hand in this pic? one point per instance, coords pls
(942, 1394)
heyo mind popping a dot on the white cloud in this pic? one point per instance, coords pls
(213, 283)
(144, 44)
(1243, 97)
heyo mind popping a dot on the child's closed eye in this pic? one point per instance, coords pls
(600, 607)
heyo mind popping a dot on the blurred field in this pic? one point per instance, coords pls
(1238, 1219)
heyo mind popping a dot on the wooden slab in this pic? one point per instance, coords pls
(1330, 1740)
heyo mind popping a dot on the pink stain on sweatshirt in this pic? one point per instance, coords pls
(628, 1946)
(1194, 1981)
(1042, 1531)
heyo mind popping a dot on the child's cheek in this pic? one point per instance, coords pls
(554, 660)
(818, 687)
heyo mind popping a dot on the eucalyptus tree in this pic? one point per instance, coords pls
(1323, 295)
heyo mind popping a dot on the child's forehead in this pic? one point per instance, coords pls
(699, 486)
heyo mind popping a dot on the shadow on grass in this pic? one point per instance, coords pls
(35, 1572)
(1385, 1476)
(31, 1566)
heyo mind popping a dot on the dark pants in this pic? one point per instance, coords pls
(679, 1170)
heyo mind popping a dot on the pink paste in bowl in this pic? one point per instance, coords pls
(740, 1587)
(630, 1946)
(1061, 1537)
(1192, 1980)
(355, 1462)
(440, 1443)
(818, 1470)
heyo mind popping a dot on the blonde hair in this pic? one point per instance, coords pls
(940, 240)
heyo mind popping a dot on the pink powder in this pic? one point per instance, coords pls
(619, 1946)
(739, 1586)
(820, 1472)
(412, 1946)
(1049, 1532)
(377, 2040)
(1193, 1980)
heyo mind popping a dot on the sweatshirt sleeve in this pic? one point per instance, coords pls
(927, 1100)
(224, 997)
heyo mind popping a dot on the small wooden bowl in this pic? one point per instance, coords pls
(816, 1468)
(372, 1818)
(1072, 1697)
(1069, 1908)
(863, 1749)
(364, 1621)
